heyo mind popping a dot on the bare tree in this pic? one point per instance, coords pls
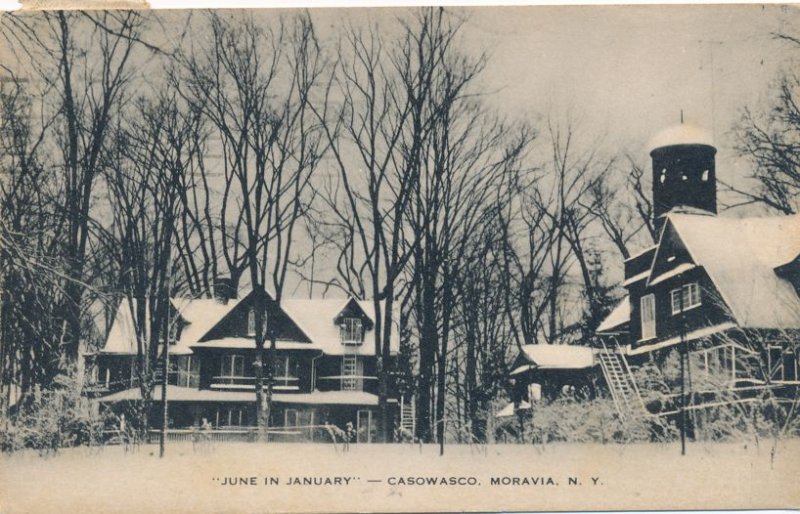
(255, 88)
(83, 91)
(143, 232)
(481, 330)
(28, 356)
(372, 188)
(771, 141)
(64, 81)
(617, 202)
(464, 155)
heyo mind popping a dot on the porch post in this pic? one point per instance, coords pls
(682, 354)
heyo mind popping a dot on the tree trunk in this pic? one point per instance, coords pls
(429, 343)
(270, 376)
(262, 409)
(441, 376)
(470, 380)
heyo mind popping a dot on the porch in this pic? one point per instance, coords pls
(231, 416)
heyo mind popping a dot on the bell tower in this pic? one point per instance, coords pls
(684, 174)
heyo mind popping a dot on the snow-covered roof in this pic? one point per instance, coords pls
(641, 252)
(700, 333)
(315, 317)
(620, 315)
(740, 256)
(188, 394)
(241, 343)
(558, 356)
(683, 134)
(200, 314)
(636, 278)
(674, 272)
(122, 336)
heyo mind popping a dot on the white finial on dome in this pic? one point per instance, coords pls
(683, 134)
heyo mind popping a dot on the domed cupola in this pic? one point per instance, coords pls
(683, 172)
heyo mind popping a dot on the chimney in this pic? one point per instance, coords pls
(224, 290)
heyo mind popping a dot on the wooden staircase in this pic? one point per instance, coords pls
(408, 415)
(621, 383)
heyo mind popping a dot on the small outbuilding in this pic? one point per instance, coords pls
(547, 371)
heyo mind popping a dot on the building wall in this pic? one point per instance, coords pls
(712, 310)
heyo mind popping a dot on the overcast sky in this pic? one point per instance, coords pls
(625, 72)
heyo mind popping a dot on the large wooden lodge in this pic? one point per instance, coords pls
(324, 371)
(720, 292)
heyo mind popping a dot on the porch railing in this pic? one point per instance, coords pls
(249, 383)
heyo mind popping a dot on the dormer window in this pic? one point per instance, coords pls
(351, 331)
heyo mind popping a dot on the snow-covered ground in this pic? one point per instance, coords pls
(320, 478)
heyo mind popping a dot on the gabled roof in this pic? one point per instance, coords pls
(553, 357)
(246, 303)
(743, 258)
(347, 310)
(740, 256)
(122, 335)
(314, 317)
(199, 315)
(617, 318)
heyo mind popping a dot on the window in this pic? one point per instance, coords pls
(684, 298)
(790, 365)
(284, 372)
(675, 300)
(366, 429)
(232, 366)
(648, 306)
(775, 363)
(351, 331)
(280, 367)
(291, 418)
(302, 420)
(231, 417)
(704, 177)
(188, 371)
(352, 369)
(251, 322)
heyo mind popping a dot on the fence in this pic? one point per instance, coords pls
(305, 433)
